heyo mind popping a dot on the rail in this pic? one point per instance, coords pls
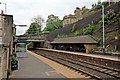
(77, 64)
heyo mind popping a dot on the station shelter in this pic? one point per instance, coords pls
(77, 44)
(21, 49)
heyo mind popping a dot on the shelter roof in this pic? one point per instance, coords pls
(78, 39)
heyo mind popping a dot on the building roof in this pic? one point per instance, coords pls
(69, 16)
(78, 39)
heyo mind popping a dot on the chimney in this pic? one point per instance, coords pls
(2, 12)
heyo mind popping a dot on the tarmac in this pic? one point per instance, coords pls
(36, 67)
(31, 67)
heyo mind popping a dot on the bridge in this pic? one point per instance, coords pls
(38, 40)
(79, 43)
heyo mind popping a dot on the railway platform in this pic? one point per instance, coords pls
(95, 66)
(109, 57)
(30, 67)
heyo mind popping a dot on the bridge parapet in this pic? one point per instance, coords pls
(33, 36)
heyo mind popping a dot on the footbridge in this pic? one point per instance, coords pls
(37, 40)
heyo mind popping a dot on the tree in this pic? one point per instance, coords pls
(36, 25)
(85, 10)
(53, 23)
(39, 21)
(99, 2)
(32, 29)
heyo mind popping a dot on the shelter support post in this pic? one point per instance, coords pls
(89, 48)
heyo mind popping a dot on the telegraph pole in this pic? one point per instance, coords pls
(5, 6)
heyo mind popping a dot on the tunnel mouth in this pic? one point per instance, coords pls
(38, 45)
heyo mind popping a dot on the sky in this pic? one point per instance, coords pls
(24, 10)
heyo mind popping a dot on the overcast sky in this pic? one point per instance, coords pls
(24, 10)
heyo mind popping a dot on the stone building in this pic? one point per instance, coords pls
(78, 13)
(69, 19)
(6, 32)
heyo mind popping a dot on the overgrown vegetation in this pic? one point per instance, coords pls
(76, 33)
(89, 30)
(111, 17)
(84, 10)
(73, 28)
(61, 36)
(30, 45)
(98, 6)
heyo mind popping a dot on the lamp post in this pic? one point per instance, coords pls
(14, 26)
(5, 6)
(103, 29)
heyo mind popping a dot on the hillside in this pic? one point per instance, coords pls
(92, 25)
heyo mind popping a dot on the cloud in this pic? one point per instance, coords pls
(24, 10)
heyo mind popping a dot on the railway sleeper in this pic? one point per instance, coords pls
(83, 69)
(70, 65)
(99, 68)
(102, 70)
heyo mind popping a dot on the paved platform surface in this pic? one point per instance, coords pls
(31, 67)
(21, 54)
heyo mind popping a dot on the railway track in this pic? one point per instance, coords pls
(92, 70)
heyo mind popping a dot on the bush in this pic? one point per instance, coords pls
(30, 45)
(89, 30)
(73, 28)
(77, 33)
(61, 36)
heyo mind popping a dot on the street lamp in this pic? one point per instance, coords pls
(14, 28)
(103, 29)
(5, 6)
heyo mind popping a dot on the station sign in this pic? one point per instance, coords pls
(21, 43)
